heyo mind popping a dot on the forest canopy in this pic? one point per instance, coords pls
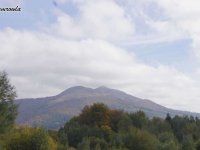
(97, 127)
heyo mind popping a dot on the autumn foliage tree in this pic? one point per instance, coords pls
(95, 115)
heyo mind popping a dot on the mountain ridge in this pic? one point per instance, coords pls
(54, 111)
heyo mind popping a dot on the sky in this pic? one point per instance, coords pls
(147, 48)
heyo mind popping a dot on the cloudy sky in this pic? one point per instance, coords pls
(148, 48)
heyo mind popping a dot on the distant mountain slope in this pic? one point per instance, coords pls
(53, 112)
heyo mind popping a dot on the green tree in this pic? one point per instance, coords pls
(117, 140)
(98, 144)
(188, 143)
(139, 119)
(198, 145)
(158, 125)
(97, 147)
(125, 123)
(84, 145)
(63, 137)
(168, 141)
(185, 126)
(168, 118)
(8, 110)
(73, 132)
(30, 139)
(137, 139)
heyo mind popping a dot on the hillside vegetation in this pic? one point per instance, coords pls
(52, 112)
(97, 127)
(101, 128)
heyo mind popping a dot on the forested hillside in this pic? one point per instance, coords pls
(97, 127)
(101, 128)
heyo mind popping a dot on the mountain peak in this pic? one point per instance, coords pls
(75, 89)
(71, 101)
(102, 88)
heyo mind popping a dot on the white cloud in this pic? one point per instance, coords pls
(165, 21)
(185, 15)
(41, 65)
(81, 50)
(97, 19)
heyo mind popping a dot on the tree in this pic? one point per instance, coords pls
(30, 139)
(93, 143)
(168, 141)
(168, 118)
(95, 115)
(125, 123)
(74, 133)
(8, 110)
(98, 144)
(188, 143)
(158, 125)
(115, 117)
(139, 119)
(84, 145)
(137, 139)
(198, 145)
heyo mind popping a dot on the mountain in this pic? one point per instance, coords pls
(53, 112)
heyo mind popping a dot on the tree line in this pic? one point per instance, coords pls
(97, 127)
